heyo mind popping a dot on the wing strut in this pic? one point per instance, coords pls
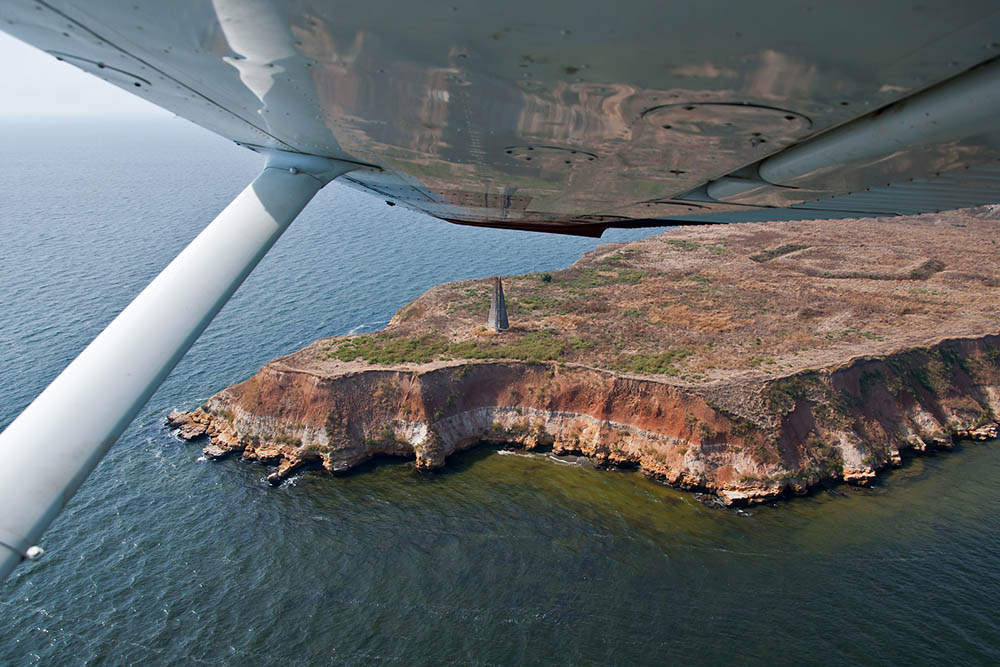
(49, 450)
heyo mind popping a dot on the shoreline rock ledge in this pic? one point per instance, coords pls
(747, 360)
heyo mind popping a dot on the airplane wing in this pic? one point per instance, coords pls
(577, 116)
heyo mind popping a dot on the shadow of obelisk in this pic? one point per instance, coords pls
(498, 308)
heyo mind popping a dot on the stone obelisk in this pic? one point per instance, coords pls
(498, 308)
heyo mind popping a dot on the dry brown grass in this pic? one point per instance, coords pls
(738, 300)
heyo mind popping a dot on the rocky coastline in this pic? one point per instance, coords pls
(748, 361)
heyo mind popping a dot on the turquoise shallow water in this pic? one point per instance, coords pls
(500, 559)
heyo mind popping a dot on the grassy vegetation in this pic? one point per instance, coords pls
(678, 244)
(385, 350)
(585, 279)
(476, 299)
(620, 258)
(536, 346)
(532, 302)
(685, 307)
(660, 363)
(927, 292)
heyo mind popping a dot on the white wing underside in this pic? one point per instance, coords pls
(575, 116)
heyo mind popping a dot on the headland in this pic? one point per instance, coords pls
(745, 360)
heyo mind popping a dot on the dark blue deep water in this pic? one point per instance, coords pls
(163, 558)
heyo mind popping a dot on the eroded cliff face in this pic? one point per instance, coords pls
(749, 360)
(745, 441)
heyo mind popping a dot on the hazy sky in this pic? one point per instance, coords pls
(35, 84)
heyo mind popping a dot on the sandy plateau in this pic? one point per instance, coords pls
(748, 360)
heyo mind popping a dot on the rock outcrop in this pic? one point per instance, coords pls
(699, 409)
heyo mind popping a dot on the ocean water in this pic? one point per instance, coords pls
(501, 558)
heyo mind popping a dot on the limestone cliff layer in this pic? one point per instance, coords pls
(745, 442)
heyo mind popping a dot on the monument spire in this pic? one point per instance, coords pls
(498, 308)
